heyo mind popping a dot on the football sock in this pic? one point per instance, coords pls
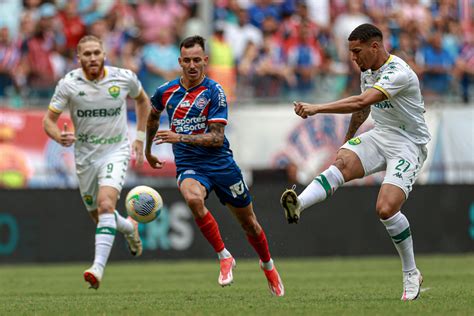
(224, 254)
(123, 225)
(260, 244)
(104, 239)
(210, 230)
(268, 265)
(321, 187)
(399, 229)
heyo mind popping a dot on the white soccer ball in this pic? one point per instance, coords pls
(143, 204)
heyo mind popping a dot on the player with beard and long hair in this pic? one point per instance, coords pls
(96, 98)
(391, 90)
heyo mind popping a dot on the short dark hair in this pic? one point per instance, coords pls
(190, 41)
(365, 32)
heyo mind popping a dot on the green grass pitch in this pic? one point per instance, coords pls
(314, 286)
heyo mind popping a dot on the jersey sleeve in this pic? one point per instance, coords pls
(218, 110)
(391, 82)
(156, 100)
(60, 98)
(135, 85)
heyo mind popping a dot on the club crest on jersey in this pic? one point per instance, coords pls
(185, 104)
(201, 102)
(88, 199)
(114, 91)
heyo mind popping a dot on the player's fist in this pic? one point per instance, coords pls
(67, 138)
(154, 162)
(304, 109)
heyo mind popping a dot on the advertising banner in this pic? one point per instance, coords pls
(53, 225)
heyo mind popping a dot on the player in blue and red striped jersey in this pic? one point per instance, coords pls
(197, 108)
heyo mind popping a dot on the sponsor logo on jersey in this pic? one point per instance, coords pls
(114, 91)
(354, 141)
(384, 105)
(97, 140)
(99, 112)
(185, 104)
(88, 199)
(189, 124)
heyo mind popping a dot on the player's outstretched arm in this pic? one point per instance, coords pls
(142, 109)
(50, 125)
(347, 105)
(213, 138)
(152, 125)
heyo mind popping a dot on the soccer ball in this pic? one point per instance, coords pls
(143, 204)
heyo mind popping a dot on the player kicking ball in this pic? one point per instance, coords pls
(96, 98)
(197, 110)
(391, 90)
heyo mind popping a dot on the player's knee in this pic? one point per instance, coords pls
(251, 227)
(106, 206)
(385, 209)
(195, 203)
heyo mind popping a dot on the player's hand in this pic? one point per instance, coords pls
(137, 147)
(67, 138)
(304, 109)
(154, 162)
(166, 137)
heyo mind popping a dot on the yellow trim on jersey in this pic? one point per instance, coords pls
(50, 107)
(382, 90)
(390, 57)
(139, 93)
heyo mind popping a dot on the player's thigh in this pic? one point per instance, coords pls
(113, 170)
(404, 162)
(107, 199)
(88, 185)
(231, 188)
(194, 188)
(360, 156)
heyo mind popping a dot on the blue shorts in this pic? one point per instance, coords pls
(228, 184)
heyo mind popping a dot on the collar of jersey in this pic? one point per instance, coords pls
(193, 87)
(95, 81)
(389, 59)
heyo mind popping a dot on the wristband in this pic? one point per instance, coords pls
(140, 136)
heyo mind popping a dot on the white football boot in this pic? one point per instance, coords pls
(411, 285)
(93, 275)
(133, 240)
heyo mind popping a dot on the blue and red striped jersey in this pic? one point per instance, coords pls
(190, 112)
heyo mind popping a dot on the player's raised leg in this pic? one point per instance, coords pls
(104, 235)
(389, 202)
(346, 167)
(129, 228)
(257, 238)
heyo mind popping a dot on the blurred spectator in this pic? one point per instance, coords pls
(262, 9)
(43, 62)
(14, 167)
(160, 61)
(10, 13)
(465, 68)
(10, 55)
(72, 25)
(414, 11)
(240, 34)
(221, 67)
(437, 65)
(304, 57)
(246, 72)
(155, 15)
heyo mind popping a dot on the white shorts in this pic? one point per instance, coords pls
(398, 156)
(108, 171)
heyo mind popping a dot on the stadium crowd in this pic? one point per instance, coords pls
(259, 49)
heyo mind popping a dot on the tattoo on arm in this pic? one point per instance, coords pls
(213, 138)
(357, 119)
(152, 125)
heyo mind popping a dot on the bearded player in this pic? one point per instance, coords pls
(96, 98)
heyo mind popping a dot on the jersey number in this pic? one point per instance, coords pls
(402, 162)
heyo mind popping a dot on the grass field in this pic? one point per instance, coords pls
(316, 286)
